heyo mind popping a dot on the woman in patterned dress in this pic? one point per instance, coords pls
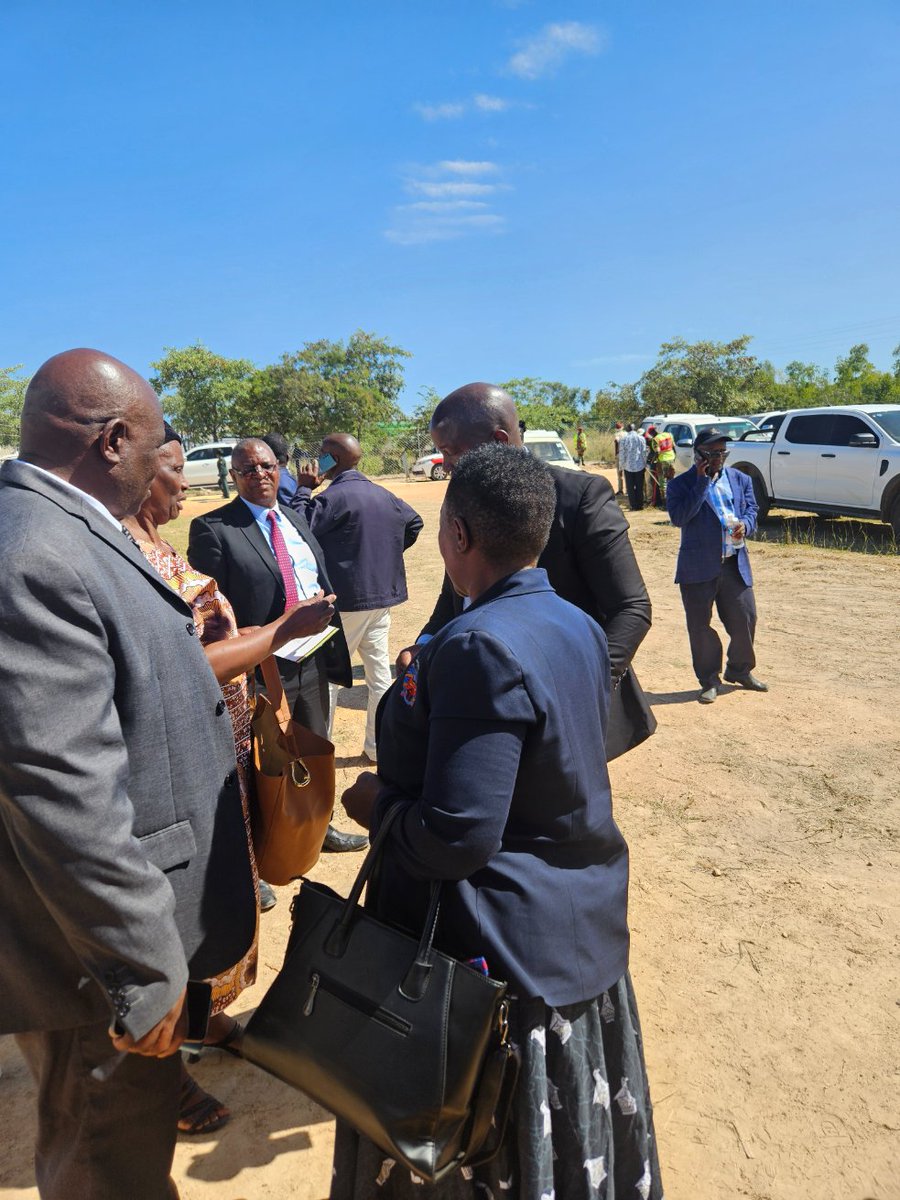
(493, 744)
(231, 653)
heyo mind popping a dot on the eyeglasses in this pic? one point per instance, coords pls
(708, 454)
(247, 472)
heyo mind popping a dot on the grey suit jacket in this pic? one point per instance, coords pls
(123, 853)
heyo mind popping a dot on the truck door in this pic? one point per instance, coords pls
(796, 456)
(848, 465)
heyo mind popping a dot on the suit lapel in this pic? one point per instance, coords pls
(113, 535)
(249, 526)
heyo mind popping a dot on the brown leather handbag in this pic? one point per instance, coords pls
(293, 772)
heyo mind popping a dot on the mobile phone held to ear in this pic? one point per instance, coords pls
(326, 462)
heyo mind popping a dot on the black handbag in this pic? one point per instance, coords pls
(631, 719)
(404, 1043)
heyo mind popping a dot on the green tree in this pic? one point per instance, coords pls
(715, 377)
(12, 398)
(855, 367)
(616, 402)
(359, 380)
(548, 404)
(201, 391)
(286, 397)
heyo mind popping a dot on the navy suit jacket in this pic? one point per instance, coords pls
(700, 554)
(229, 545)
(494, 739)
(363, 530)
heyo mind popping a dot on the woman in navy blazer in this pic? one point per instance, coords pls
(494, 739)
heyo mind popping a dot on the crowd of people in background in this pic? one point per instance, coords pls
(130, 893)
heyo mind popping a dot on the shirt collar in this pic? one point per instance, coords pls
(260, 512)
(70, 487)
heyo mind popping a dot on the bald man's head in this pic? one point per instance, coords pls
(344, 449)
(95, 422)
(472, 415)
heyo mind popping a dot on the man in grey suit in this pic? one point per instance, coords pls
(125, 878)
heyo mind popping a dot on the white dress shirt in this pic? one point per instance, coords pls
(306, 571)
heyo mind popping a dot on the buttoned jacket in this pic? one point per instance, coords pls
(363, 530)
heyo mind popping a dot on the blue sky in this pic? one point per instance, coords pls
(503, 187)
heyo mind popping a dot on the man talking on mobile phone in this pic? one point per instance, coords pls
(715, 509)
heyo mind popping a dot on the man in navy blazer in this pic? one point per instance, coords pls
(715, 508)
(364, 531)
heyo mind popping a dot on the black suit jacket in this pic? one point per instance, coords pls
(589, 562)
(229, 545)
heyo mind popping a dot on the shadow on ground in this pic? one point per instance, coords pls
(831, 533)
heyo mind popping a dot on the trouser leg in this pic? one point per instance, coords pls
(736, 606)
(106, 1121)
(706, 648)
(634, 481)
(374, 652)
(367, 633)
(620, 483)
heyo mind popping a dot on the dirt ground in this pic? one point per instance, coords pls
(764, 901)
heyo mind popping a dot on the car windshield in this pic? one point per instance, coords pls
(889, 422)
(548, 451)
(731, 429)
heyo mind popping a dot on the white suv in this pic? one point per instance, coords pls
(200, 466)
(684, 428)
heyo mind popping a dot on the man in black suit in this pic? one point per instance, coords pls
(588, 558)
(263, 555)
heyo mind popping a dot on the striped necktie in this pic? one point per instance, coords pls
(285, 565)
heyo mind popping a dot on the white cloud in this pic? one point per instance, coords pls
(440, 112)
(459, 166)
(452, 110)
(450, 187)
(490, 103)
(417, 229)
(443, 206)
(546, 51)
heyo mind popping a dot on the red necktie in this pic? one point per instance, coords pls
(285, 566)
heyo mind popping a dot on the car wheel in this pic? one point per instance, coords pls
(438, 472)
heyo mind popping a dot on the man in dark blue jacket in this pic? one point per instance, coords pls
(715, 509)
(363, 530)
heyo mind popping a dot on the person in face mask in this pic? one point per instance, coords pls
(715, 509)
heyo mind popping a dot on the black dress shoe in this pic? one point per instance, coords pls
(338, 843)
(748, 681)
(267, 898)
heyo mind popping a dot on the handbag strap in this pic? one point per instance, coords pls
(275, 689)
(415, 982)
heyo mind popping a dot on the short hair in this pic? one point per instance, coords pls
(171, 435)
(507, 499)
(278, 444)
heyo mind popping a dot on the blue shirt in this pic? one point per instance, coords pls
(306, 572)
(721, 499)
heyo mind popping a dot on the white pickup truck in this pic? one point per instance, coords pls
(841, 461)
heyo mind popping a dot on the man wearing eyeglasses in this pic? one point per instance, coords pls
(264, 557)
(715, 508)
